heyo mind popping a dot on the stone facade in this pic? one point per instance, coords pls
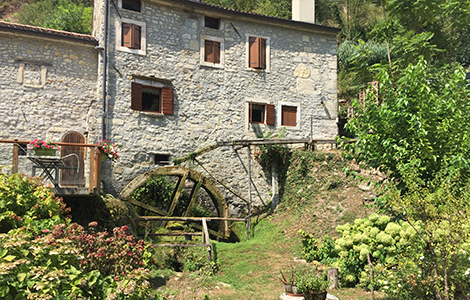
(212, 101)
(47, 86)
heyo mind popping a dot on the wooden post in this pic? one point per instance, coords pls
(371, 276)
(248, 222)
(98, 171)
(91, 174)
(14, 168)
(333, 277)
(205, 239)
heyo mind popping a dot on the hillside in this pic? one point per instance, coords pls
(316, 197)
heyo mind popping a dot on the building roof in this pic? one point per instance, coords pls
(254, 17)
(46, 32)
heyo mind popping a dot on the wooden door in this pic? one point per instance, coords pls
(73, 157)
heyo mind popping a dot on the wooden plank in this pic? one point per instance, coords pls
(155, 218)
(194, 193)
(147, 207)
(91, 179)
(98, 170)
(176, 234)
(181, 245)
(14, 168)
(58, 143)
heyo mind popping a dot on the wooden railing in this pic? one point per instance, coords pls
(94, 157)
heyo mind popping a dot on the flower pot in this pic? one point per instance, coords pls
(45, 152)
(104, 158)
(315, 296)
(288, 288)
(294, 290)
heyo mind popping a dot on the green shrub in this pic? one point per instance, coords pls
(27, 202)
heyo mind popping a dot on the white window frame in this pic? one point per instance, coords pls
(279, 115)
(202, 51)
(247, 112)
(247, 52)
(143, 36)
(203, 23)
(142, 7)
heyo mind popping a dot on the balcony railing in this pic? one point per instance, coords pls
(75, 169)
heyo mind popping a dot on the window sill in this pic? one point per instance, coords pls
(257, 70)
(152, 114)
(129, 50)
(211, 65)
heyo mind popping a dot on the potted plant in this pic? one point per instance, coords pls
(43, 148)
(289, 282)
(312, 283)
(109, 150)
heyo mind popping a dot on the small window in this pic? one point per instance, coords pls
(152, 99)
(134, 5)
(261, 113)
(289, 115)
(213, 23)
(257, 53)
(131, 36)
(22, 149)
(212, 52)
(162, 159)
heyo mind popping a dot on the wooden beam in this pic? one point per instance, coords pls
(14, 168)
(91, 179)
(147, 207)
(175, 234)
(195, 219)
(181, 245)
(177, 194)
(194, 193)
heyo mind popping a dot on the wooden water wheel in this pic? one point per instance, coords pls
(183, 174)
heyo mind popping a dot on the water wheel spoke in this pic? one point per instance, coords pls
(177, 194)
(194, 193)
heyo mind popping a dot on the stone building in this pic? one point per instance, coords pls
(180, 75)
(48, 87)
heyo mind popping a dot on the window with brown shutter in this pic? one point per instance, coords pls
(212, 52)
(289, 115)
(131, 36)
(257, 53)
(262, 113)
(151, 99)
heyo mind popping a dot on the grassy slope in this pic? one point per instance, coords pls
(316, 198)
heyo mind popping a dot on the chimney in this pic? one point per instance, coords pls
(303, 10)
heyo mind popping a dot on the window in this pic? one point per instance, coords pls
(162, 159)
(131, 36)
(257, 52)
(152, 99)
(210, 22)
(289, 115)
(134, 5)
(212, 51)
(261, 113)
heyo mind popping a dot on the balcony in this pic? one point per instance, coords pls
(73, 170)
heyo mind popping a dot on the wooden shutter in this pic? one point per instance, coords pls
(136, 36)
(209, 51)
(216, 52)
(127, 32)
(270, 114)
(254, 52)
(262, 53)
(136, 96)
(289, 116)
(167, 101)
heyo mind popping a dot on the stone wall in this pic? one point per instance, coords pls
(47, 88)
(211, 103)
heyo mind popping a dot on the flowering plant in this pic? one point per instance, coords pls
(110, 149)
(42, 145)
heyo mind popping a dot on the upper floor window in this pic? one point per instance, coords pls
(152, 99)
(289, 115)
(210, 22)
(134, 5)
(258, 52)
(212, 51)
(131, 36)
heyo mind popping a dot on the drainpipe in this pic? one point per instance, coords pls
(105, 62)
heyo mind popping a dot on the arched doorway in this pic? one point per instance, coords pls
(73, 156)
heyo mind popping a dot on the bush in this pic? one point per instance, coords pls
(27, 202)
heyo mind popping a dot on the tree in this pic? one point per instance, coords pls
(415, 123)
